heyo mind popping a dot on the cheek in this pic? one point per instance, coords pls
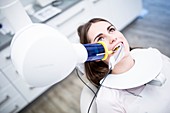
(126, 47)
(126, 44)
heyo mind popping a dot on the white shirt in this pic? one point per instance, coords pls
(144, 98)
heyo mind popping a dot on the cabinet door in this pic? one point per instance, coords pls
(15, 106)
(29, 93)
(119, 12)
(8, 95)
(68, 21)
(3, 81)
(5, 59)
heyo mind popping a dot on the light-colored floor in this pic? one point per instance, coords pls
(61, 98)
(153, 30)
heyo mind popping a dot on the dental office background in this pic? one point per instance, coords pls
(66, 16)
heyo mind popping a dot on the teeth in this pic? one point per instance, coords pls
(116, 48)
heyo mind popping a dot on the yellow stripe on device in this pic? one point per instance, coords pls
(107, 52)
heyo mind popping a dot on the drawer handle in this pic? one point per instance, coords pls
(8, 57)
(15, 109)
(16, 72)
(60, 24)
(95, 1)
(6, 99)
(31, 88)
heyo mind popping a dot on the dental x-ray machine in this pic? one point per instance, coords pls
(41, 54)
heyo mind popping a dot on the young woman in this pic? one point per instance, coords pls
(136, 84)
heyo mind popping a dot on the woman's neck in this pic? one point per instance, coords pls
(124, 65)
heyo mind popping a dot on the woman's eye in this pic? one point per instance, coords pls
(100, 39)
(112, 29)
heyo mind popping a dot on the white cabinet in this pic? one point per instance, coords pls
(3, 81)
(10, 99)
(15, 94)
(28, 92)
(68, 22)
(119, 12)
(5, 57)
(14, 106)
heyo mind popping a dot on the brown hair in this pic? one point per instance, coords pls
(94, 70)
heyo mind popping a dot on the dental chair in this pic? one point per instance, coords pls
(86, 94)
(86, 98)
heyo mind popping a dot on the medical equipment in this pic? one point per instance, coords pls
(41, 54)
(44, 56)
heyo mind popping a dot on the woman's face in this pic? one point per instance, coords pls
(104, 31)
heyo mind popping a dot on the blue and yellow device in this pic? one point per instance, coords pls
(97, 51)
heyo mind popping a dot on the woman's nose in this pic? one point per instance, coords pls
(112, 39)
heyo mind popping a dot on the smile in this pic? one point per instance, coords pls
(116, 47)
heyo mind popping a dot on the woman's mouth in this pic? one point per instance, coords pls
(115, 49)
